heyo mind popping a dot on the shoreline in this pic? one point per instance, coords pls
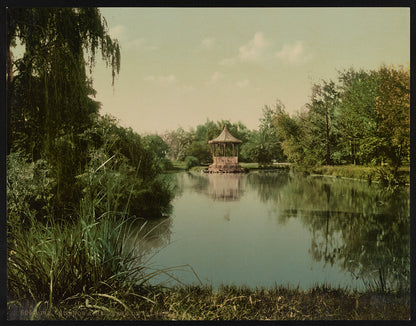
(343, 172)
(227, 303)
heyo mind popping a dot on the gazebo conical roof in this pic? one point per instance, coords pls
(225, 137)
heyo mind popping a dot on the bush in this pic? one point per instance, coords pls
(166, 164)
(29, 189)
(119, 187)
(191, 161)
(389, 178)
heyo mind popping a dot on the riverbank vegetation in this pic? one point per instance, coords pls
(77, 180)
(225, 303)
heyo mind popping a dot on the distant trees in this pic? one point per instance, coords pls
(361, 118)
(364, 118)
(264, 146)
(195, 142)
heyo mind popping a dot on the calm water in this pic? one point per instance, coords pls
(267, 228)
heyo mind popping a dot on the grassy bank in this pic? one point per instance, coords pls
(368, 173)
(227, 303)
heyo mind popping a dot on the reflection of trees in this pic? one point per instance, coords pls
(374, 248)
(196, 182)
(268, 184)
(360, 228)
(175, 183)
(372, 243)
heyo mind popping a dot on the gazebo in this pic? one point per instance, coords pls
(224, 150)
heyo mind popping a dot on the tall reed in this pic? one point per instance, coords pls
(52, 260)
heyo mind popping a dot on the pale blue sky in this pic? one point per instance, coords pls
(180, 66)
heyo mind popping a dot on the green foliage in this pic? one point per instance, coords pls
(93, 250)
(48, 88)
(156, 144)
(195, 142)
(389, 178)
(166, 164)
(375, 111)
(178, 142)
(200, 150)
(191, 161)
(129, 174)
(64, 261)
(267, 140)
(362, 119)
(29, 190)
(258, 149)
(289, 130)
(320, 122)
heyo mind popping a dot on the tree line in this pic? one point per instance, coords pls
(362, 118)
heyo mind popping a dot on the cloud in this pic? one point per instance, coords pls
(141, 44)
(243, 83)
(118, 32)
(208, 43)
(121, 33)
(215, 78)
(169, 79)
(293, 53)
(255, 50)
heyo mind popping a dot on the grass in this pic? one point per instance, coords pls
(368, 173)
(256, 166)
(179, 165)
(226, 303)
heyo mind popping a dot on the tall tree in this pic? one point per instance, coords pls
(357, 120)
(392, 106)
(324, 102)
(48, 103)
(289, 131)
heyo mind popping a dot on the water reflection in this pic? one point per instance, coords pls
(221, 187)
(361, 228)
(147, 237)
(262, 228)
(224, 187)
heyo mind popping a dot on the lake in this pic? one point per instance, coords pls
(278, 228)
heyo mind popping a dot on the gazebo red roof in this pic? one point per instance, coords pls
(225, 137)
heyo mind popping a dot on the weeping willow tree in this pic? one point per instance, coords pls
(48, 89)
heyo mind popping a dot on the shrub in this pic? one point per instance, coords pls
(191, 161)
(166, 164)
(119, 187)
(29, 189)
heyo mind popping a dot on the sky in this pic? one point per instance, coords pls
(182, 66)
